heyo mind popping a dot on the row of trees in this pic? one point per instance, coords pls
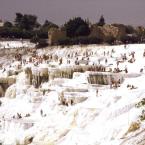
(77, 30)
(78, 27)
(26, 26)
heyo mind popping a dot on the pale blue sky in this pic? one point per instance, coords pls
(59, 11)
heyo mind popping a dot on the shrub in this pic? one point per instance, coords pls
(101, 21)
(141, 103)
(142, 116)
(130, 39)
(133, 127)
(110, 40)
(42, 43)
(79, 40)
(129, 29)
(34, 39)
(77, 27)
(64, 41)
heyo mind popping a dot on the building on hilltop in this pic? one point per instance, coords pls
(55, 34)
(106, 32)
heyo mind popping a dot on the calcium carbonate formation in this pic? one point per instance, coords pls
(81, 95)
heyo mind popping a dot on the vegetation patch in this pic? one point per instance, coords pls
(141, 103)
(133, 127)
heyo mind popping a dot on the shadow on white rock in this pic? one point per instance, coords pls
(11, 92)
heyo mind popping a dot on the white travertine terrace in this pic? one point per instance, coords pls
(81, 95)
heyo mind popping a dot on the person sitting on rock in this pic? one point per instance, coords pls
(27, 115)
(118, 83)
(34, 83)
(126, 70)
(97, 91)
(4, 70)
(104, 53)
(128, 86)
(133, 87)
(19, 116)
(60, 61)
(144, 53)
(41, 112)
(71, 102)
(44, 92)
(76, 62)
(106, 61)
(68, 61)
(141, 70)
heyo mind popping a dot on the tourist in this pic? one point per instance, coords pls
(126, 70)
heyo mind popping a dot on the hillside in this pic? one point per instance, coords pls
(80, 95)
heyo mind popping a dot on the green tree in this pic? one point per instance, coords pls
(18, 19)
(101, 21)
(82, 30)
(8, 24)
(47, 25)
(29, 22)
(77, 27)
(129, 29)
(26, 22)
(43, 31)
